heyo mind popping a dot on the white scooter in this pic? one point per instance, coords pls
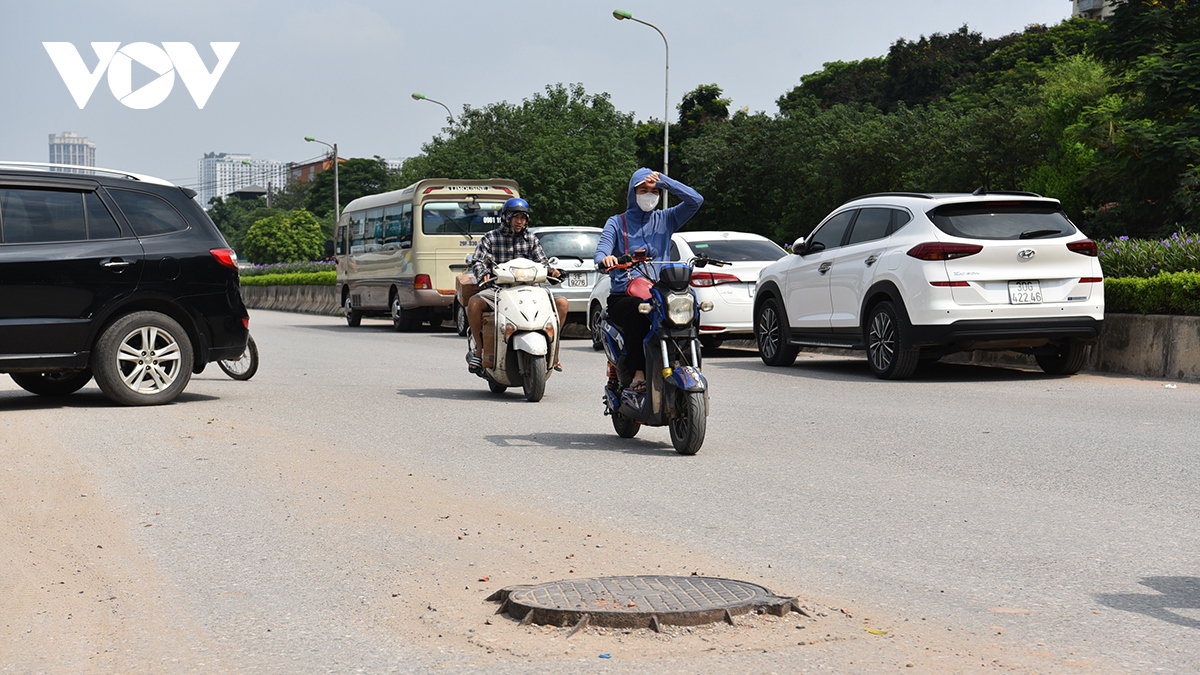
(521, 336)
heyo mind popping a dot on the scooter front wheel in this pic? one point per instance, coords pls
(534, 381)
(245, 366)
(688, 427)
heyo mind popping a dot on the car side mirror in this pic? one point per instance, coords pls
(328, 248)
(798, 246)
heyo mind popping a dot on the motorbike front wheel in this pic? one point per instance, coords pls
(534, 381)
(245, 366)
(688, 426)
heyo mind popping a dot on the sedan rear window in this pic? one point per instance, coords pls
(1003, 220)
(738, 250)
(569, 244)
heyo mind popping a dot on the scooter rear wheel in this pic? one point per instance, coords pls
(687, 429)
(625, 427)
(495, 386)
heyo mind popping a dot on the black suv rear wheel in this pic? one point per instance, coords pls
(143, 358)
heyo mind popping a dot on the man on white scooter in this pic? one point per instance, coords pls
(511, 240)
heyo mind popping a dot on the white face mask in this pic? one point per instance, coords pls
(647, 201)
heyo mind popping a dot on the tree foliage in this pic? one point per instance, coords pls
(292, 236)
(234, 216)
(571, 153)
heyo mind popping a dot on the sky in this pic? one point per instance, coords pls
(343, 71)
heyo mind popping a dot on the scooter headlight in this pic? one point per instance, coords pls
(524, 275)
(681, 308)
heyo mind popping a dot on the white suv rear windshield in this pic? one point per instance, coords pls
(1009, 220)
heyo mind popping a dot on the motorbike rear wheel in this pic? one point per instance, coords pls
(495, 386)
(625, 427)
(688, 427)
(534, 382)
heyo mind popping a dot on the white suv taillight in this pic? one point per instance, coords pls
(1084, 247)
(936, 250)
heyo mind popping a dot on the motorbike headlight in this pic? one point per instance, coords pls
(681, 308)
(524, 275)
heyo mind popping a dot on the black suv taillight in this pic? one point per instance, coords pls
(936, 250)
(225, 256)
(1084, 247)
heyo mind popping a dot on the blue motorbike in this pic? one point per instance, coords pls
(676, 393)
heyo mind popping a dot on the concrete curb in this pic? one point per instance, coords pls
(1153, 345)
(1145, 345)
(302, 299)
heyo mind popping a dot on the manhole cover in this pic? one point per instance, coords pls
(639, 602)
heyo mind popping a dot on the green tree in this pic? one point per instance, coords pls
(571, 152)
(357, 177)
(294, 236)
(234, 216)
(1149, 140)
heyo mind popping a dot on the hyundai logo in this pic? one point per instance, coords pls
(1025, 254)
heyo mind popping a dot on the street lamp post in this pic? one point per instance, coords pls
(621, 15)
(423, 97)
(337, 204)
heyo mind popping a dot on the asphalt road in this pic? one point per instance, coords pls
(1048, 520)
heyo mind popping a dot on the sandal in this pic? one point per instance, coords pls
(474, 364)
(638, 386)
(558, 367)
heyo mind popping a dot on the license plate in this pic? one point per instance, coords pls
(1024, 292)
(577, 280)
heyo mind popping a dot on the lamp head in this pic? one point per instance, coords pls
(621, 14)
(418, 97)
(310, 139)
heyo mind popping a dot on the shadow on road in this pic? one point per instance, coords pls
(481, 394)
(1173, 593)
(21, 400)
(564, 441)
(856, 369)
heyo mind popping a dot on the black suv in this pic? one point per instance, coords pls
(115, 276)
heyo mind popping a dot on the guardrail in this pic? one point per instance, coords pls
(1130, 344)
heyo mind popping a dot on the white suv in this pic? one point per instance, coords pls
(911, 277)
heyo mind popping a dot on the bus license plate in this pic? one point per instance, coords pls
(577, 280)
(1024, 292)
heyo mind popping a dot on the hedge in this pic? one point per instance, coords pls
(1168, 293)
(292, 279)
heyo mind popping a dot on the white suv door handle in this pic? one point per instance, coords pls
(824, 267)
(118, 263)
(872, 260)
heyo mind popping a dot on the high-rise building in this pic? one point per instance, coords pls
(70, 148)
(222, 173)
(1093, 9)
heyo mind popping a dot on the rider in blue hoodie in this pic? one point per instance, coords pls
(641, 226)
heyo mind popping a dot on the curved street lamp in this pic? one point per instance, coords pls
(621, 15)
(423, 97)
(337, 205)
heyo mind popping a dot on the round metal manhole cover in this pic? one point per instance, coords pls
(638, 602)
